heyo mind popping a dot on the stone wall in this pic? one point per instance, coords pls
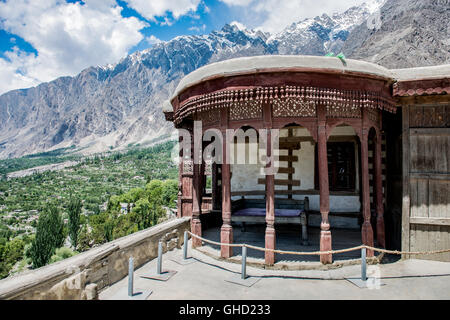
(82, 276)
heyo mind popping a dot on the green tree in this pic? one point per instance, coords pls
(102, 227)
(10, 254)
(143, 214)
(154, 189)
(74, 220)
(84, 239)
(49, 236)
(157, 213)
(169, 193)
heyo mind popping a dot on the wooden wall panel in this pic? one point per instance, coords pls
(429, 238)
(419, 197)
(437, 116)
(439, 199)
(430, 153)
(426, 207)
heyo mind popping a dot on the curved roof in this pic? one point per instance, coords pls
(250, 65)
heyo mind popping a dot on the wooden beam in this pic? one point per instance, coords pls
(343, 139)
(430, 176)
(281, 182)
(288, 158)
(423, 100)
(296, 139)
(286, 170)
(289, 145)
(406, 181)
(430, 131)
(430, 221)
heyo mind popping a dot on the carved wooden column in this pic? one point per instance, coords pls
(322, 153)
(270, 207)
(226, 232)
(186, 177)
(214, 188)
(196, 225)
(270, 238)
(367, 232)
(379, 192)
(180, 179)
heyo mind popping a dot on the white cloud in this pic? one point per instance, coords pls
(201, 28)
(239, 25)
(152, 8)
(67, 36)
(152, 40)
(275, 15)
(237, 2)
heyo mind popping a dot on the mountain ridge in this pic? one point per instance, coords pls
(112, 106)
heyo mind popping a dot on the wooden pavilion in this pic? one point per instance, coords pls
(332, 147)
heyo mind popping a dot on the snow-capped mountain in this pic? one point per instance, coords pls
(109, 107)
(323, 34)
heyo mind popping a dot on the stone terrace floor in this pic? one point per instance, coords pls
(205, 279)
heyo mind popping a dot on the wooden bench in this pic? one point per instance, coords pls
(287, 211)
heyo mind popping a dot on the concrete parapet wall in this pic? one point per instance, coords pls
(82, 276)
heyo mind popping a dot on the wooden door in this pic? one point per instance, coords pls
(426, 184)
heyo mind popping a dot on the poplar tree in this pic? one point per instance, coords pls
(49, 236)
(74, 220)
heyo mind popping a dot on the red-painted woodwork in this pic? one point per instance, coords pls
(226, 232)
(325, 233)
(367, 232)
(270, 207)
(318, 100)
(379, 193)
(196, 225)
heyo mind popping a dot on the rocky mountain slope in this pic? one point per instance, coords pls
(412, 33)
(112, 106)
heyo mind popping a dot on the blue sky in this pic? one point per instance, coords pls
(41, 40)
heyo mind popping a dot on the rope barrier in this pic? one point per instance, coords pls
(320, 252)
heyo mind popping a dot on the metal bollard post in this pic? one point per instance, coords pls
(244, 263)
(159, 265)
(185, 245)
(363, 265)
(130, 276)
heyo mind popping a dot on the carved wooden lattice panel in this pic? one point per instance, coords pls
(337, 110)
(293, 108)
(429, 116)
(188, 166)
(208, 167)
(373, 114)
(209, 117)
(246, 110)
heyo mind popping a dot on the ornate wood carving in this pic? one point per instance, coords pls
(335, 110)
(209, 117)
(373, 115)
(288, 101)
(429, 116)
(422, 87)
(246, 110)
(293, 108)
(188, 166)
(208, 167)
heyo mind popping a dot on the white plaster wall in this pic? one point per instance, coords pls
(245, 176)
